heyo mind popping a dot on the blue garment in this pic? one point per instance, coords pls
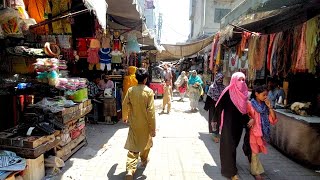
(105, 56)
(193, 80)
(273, 95)
(264, 116)
(10, 162)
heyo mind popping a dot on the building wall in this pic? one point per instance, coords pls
(205, 15)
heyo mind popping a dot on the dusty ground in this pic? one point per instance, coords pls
(183, 150)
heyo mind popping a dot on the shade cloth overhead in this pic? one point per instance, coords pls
(126, 26)
(130, 9)
(185, 50)
(99, 8)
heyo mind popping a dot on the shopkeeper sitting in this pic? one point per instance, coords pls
(106, 83)
(275, 92)
(93, 88)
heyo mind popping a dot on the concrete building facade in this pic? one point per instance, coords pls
(205, 16)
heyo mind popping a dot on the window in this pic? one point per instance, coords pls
(219, 14)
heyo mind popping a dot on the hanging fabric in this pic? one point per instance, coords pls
(244, 40)
(301, 65)
(271, 41)
(260, 52)
(274, 54)
(312, 41)
(214, 49)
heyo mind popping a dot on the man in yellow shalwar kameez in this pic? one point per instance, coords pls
(139, 112)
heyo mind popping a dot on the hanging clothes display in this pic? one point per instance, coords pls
(253, 42)
(312, 41)
(218, 58)
(105, 58)
(301, 65)
(270, 46)
(133, 59)
(245, 37)
(61, 26)
(285, 45)
(38, 9)
(260, 52)
(274, 54)
(233, 60)
(93, 56)
(214, 50)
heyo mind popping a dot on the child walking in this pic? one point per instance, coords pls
(167, 91)
(262, 115)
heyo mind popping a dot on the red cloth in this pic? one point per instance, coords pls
(93, 56)
(244, 40)
(272, 37)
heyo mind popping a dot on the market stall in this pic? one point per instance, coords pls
(290, 58)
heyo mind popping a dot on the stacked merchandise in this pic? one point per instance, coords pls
(44, 127)
(75, 88)
(48, 68)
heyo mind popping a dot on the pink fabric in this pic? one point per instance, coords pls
(257, 144)
(238, 91)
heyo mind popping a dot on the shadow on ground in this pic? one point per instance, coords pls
(138, 175)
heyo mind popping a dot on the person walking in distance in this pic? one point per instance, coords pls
(182, 84)
(213, 95)
(139, 112)
(166, 101)
(195, 90)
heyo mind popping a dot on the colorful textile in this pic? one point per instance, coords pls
(312, 40)
(61, 26)
(301, 64)
(93, 89)
(213, 50)
(264, 113)
(245, 37)
(238, 91)
(93, 56)
(271, 41)
(38, 9)
(104, 54)
(257, 143)
(116, 59)
(217, 87)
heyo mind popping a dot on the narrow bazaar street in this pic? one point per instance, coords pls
(183, 150)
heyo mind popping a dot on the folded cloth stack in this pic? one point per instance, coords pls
(10, 162)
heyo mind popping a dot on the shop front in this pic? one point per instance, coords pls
(280, 47)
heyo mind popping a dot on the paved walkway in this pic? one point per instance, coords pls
(183, 150)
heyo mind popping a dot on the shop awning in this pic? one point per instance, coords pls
(99, 8)
(272, 21)
(185, 50)
(130, 9)
(126, 26)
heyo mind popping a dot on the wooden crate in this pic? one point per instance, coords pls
(68, 149)
(35, 169)
(31, 152)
